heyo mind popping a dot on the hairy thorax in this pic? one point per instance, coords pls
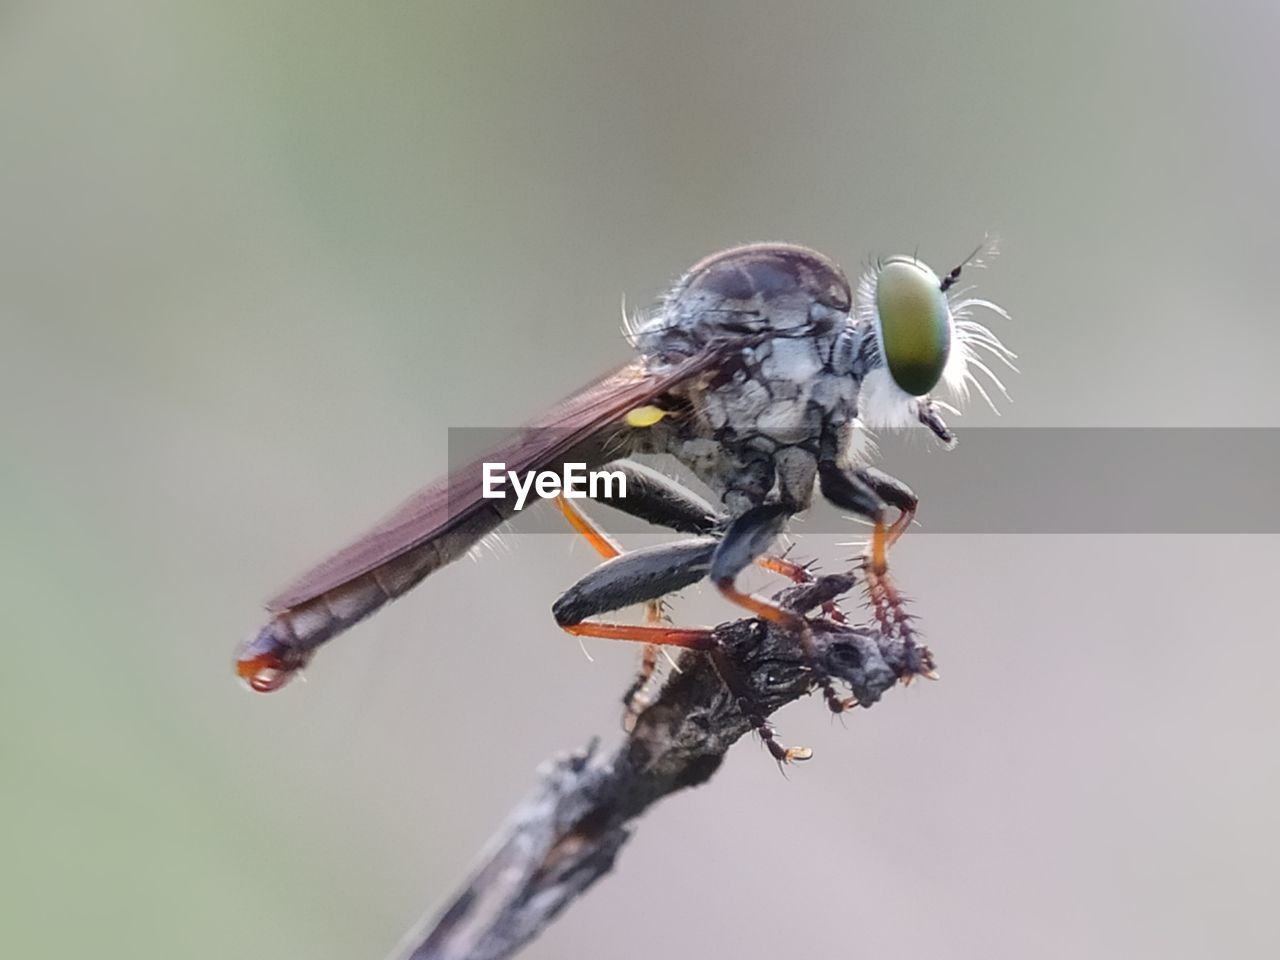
(757, 427)
(757, 424)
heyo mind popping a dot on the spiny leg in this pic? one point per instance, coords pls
(646, 574)
(799, 573)
(632, 701)
(743, 544)
(887, 601)
(656, 498)
(869, 493)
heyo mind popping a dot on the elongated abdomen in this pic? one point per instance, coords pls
(267, 660)
(341, 592)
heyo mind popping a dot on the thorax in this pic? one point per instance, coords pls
(758, 425)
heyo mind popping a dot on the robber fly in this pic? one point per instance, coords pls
(755, 371)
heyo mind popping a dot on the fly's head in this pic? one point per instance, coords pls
(917, 332)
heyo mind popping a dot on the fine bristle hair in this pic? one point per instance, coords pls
(969, 336)
(632, 321)
(491, 543)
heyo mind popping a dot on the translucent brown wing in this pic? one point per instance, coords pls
(446, 504)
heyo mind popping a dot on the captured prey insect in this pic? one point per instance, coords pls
(755, 371)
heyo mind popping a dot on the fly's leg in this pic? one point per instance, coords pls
(637, 696)
(744, 543)
(656, 498)
(869, 494)
(896, 494)
(887, 602)
(608, 548)
(637, 577)
(799, 573)
(647, 574)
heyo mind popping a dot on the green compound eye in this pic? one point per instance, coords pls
(915, 324)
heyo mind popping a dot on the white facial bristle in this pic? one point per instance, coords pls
(968, 338)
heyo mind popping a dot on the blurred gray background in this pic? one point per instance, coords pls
(257, 257)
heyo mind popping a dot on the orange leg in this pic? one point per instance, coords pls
(691, 638)
(768, 610)
(869, 493)
(600, 541)
(759, 606)
(654, 634)
(607, 547)
(798, 573)
(899, 526)
(888, 605)
(705, 640)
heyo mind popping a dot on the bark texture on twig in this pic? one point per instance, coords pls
(565, 835)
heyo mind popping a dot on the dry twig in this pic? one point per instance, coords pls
(565, 835)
